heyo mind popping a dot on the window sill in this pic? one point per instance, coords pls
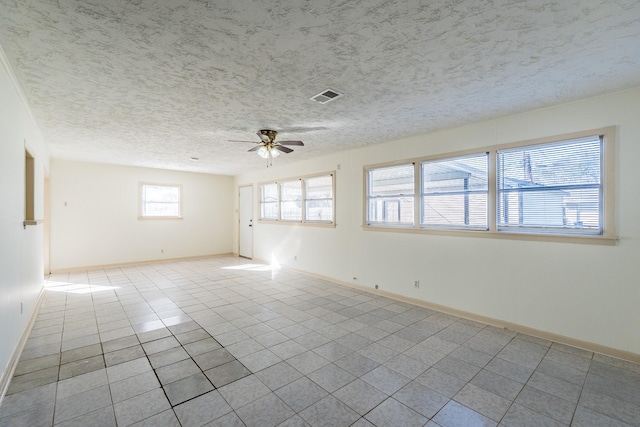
(580, 239)
(154, 218)
(305, 224)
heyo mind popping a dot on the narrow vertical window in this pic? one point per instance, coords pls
(160, 201)
(291, 200)
(269, 201)
(29, 187)
(319, 198)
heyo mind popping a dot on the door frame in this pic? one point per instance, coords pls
(240, 226)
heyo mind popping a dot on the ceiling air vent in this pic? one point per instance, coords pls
(326, 96)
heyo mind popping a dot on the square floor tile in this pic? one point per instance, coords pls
(187, 388)
(264, 412)
(124, 355)
(360, 396)
(81, 383)
(141, 407)
(331, 377)
(301, 394)
(392, 412)
(83, 403)
(133, 386)
(177, 371)
(421, 399)
(329, 412)
(227, 373)
(31, 380)
(454, 414)
(202, 346)
(278, 375)
(202, 409)
(243, 391)
(385, 380)
(213, 358)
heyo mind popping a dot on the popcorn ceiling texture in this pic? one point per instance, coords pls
(153, 83)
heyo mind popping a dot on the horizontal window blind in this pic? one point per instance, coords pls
(551, 188)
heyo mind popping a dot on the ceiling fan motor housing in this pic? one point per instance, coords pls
(271, 134)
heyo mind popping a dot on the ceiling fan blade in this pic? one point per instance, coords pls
(299, 143)
(256, 148)
(283, 149)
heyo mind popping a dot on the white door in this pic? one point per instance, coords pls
(246, 222)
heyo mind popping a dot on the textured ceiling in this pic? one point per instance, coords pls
(155, 82)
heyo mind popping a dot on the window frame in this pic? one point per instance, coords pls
(422, 195)
(367, 196)
(303, 214)
(141, 202)
(608, 161)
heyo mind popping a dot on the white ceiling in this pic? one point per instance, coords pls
(155, 82)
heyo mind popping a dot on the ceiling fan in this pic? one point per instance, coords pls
(268, 148)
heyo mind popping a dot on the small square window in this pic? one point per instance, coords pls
(160, 201)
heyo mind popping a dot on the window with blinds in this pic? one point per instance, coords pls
(558, 188)
(391, 195)
(454, 192)
(551, 188)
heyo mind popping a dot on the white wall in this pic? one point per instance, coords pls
(94, 216)
(585, 292)
(21, 249)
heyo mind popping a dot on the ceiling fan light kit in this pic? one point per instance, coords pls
(268, 148)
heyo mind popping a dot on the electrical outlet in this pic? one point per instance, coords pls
(416, 284)
(376, 286)
(161, 251)
(295, 257)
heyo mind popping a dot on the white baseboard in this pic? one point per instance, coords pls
(7, 374)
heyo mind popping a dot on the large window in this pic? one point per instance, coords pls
(552, 189)
(160, 201)
(308, 199)
(390, 195)
(455, 191)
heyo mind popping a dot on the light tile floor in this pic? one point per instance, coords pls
(227, 342)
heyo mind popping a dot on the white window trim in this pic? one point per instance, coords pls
(154, 218)
(608, 237)
(303, 221)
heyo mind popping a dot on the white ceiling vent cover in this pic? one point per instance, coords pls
(326, 96)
